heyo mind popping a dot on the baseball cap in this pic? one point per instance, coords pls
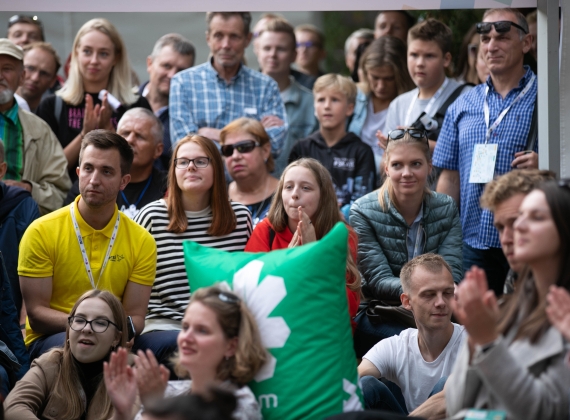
(7, 47)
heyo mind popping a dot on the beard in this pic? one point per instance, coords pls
(6, 95)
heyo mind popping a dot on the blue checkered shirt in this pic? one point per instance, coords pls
(463, 127)
(199, 97)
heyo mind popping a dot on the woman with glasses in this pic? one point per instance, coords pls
(247, 152)
(99, 62)
(67, 383)
(198, 209)
(515, 361)
(303, 210)
(400, 221)
(219, 346)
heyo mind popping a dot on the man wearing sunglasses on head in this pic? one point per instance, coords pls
(486, 134)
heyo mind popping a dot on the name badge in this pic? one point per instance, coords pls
(250, 111)
(130, 212)
(485, 415)
(483, 163)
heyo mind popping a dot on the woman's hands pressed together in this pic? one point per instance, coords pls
(305, 232)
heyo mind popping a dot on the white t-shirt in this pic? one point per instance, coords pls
(373, 123)
(399, 360)
(398, 109)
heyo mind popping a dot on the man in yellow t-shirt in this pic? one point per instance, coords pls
(88, 244)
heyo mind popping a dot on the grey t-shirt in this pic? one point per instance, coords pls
(398, 109)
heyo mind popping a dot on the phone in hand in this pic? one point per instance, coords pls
(130, 328)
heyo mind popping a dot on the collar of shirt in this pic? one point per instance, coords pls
(522, 83)
(86, 229)
(12, 113)
(214, 73)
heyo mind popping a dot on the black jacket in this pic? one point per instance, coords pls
(350, 163)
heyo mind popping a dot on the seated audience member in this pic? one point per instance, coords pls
(17, 210)
(24, 30)
(515, 361)
(276, 52)
(171, 53)
(303, 210)
(429, 55)
(206, 98)
(466, 71)
(395, 23)
(349, 161)
(197, 208)
(418, 360)
(397, 223)
(310, 49)
(144, 132)
(503, 197)
(86, 245)
(67, 383)
(99, 62)
(385, 76)
(247, 153)
(230, 354)
(41, 64)
(354, 40)
(35, 160)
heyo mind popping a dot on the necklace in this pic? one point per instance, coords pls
(258, 212)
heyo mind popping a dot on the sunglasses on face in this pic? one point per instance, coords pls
(245, 146)
(413, 132)
(501, 26)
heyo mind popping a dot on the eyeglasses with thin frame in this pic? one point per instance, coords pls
(199, 162)
(413, 132)
(308, 44)
(98, 325)
(245, 146)
(501, 26)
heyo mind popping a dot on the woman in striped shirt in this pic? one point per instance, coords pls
(197, 208)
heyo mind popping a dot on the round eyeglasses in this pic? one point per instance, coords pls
(99, 325)
(199, 162)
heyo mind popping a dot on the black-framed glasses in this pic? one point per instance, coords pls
(228, 298)
(245, 146)
(199, 162)
(501, 26)
(415, 133)
(25, 19)
(98, 325)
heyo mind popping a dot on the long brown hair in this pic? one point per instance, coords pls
(525, 303)
(223, 216)
(387, 186)
(236, 320)
(68, 386)
(324, 219)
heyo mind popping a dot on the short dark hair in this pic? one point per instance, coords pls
(410, 20)
(104, 139)
(307, 27)
(245, 17)
(432, 30)
(178, 43)
(47, 47)
(28, 20)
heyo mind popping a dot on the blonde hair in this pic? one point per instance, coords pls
(67, 384)
(336, 82)
(120, 79)
(324, 219)
(387, 187)
(252, 127)
(235, 320)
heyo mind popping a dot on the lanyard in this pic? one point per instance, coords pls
(494, 126)
(84, 252)
(428, 107)
(140, 196)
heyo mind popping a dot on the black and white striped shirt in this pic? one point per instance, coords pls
(171, 292)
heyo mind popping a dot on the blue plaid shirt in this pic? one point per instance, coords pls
(463, 127)
(199, 97)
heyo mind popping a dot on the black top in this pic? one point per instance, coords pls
(90, 376)
(70, 121)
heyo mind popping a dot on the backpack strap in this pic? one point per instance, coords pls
(271, 237)
(454, 95)
(58, 107)
(533, 130)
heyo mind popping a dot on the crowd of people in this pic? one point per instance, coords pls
(457, 264)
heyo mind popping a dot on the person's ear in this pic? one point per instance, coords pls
(158, 150)
(446, 59)
(349, 110)
(124, 181)
(232, 347)
(3, 169)
(405, 299)
(526, 43)
(266, 150)
(77, 170)
(148, 63)
(248, 39)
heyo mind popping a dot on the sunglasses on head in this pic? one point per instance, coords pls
(501, 26)
(413, 132)
(245, 146)
(24, 19)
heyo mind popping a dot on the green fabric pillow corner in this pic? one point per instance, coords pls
(298, 298)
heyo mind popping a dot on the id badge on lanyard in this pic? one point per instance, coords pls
(485, 155)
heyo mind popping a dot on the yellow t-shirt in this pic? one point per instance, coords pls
(49, 248)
